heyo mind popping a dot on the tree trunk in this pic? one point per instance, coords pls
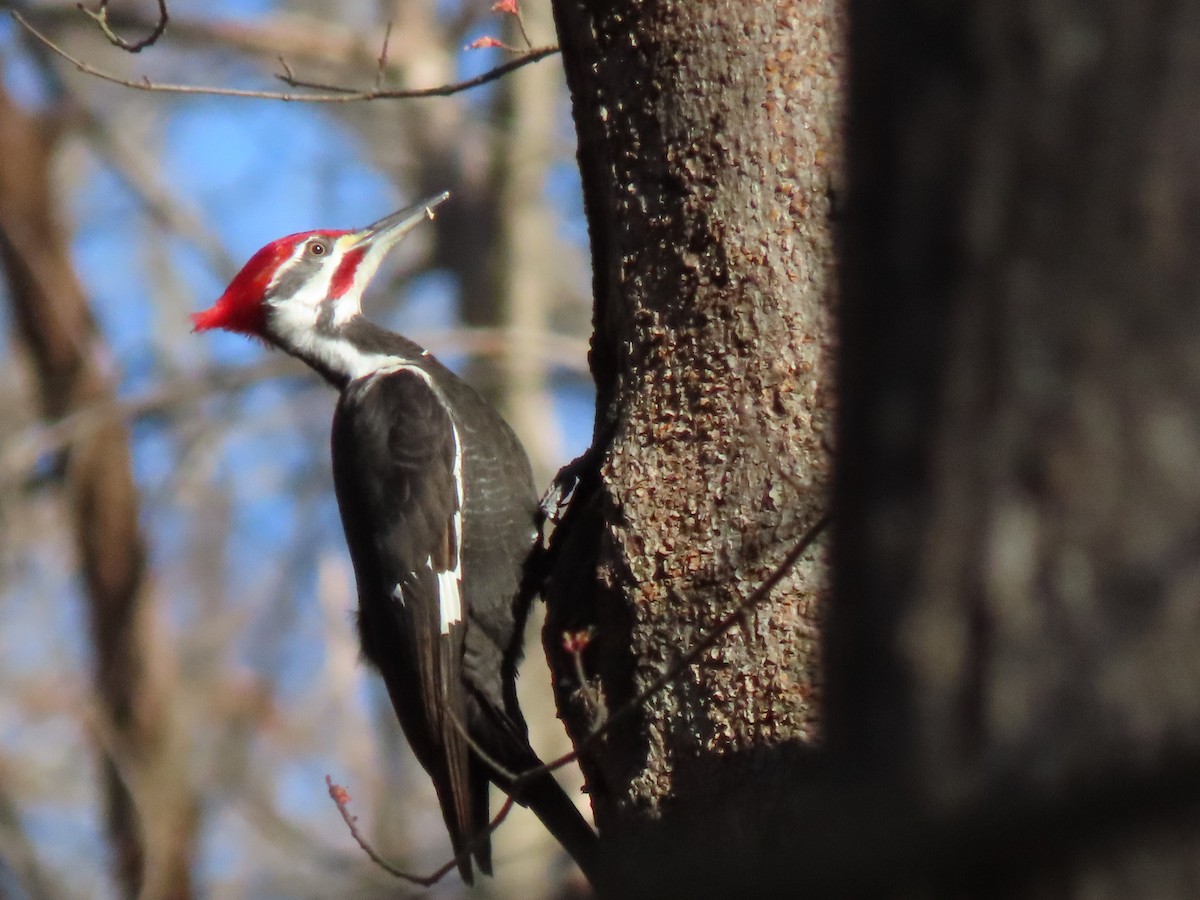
(151, 810)
(707, 143)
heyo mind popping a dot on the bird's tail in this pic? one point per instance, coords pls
(509, 749)
(466, 816)
(480, 838)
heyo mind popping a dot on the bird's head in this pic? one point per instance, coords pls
(306, 283)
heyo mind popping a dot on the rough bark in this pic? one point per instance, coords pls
(1020, 489)
(151, 812)
(707, 145)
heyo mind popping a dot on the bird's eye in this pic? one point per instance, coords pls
(316, 248)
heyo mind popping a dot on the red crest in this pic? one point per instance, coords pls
(240, 308)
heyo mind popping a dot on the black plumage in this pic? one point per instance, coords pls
(397, 435)
(437, 502)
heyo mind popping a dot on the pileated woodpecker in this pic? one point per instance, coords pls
(437, 504)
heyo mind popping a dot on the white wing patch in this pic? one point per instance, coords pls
(449, 600)
(450, 583)
(450, 608)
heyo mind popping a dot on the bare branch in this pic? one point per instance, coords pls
(26, 872)
(100, 17)
(163, 205)
(338, 94)
(20, 453)
(577, 643)
(347, 93)
(487, 42)
(735, 616)
(521, 28)
(322, 42)
(341, 799)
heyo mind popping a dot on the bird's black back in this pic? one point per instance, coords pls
(402, 441)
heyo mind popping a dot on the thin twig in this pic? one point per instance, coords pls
(100, 17)
(383, 55)
(144, 178)
(757, 596)
(487, 759)
(20, 452)
(760, 593)
(341, 799)
(576, 643)
(287, 70)
(337, 93)
(513, 8)
(345, 93)
(521, 28)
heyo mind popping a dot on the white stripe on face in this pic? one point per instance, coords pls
(286, 266)
(295, 301)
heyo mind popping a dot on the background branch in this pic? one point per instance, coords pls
(100, 17)
(338, 93)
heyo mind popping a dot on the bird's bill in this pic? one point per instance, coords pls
(390, 229)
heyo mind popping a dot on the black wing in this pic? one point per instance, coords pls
(398, 471)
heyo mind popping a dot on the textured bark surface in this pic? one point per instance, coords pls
(151, 811)
(707, 147)
(1018, 569)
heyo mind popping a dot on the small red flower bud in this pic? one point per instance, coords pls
(577, 641)
(340, 795)
(480, 43)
